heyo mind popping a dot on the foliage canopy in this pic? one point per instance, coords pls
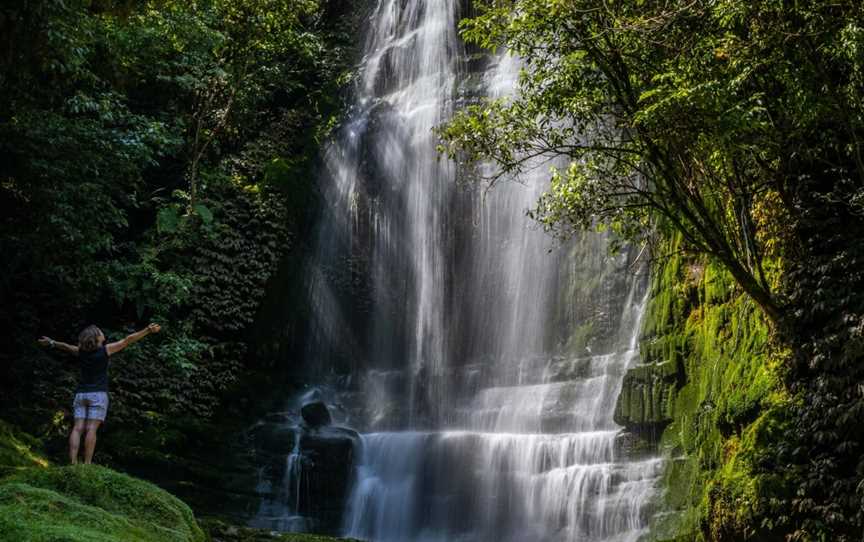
(137, 143)
(707, 118)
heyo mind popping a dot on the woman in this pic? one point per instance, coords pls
(91, 397)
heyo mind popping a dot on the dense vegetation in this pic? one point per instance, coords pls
(155, 165)
(736, 127)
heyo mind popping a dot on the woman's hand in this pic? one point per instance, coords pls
(115, 347)
(45, 341)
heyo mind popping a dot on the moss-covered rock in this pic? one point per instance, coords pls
(647, 398)
(88, 503)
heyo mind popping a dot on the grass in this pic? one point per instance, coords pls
(85, 503)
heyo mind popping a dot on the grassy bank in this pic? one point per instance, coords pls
(87, 503)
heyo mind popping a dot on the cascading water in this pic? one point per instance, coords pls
(502, 477)
(482, 358)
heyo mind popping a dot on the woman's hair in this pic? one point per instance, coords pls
(88, 340)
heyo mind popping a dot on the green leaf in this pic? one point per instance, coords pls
(204, 212)
(167, 219)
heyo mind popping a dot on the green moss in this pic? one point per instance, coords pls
(91, 503)
(668, 291)
(731, 401)
(18, 450)
(647, 396)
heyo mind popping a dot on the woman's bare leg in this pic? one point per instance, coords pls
(90, 440)
(75, 439)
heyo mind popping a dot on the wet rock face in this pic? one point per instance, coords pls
(635, 447)
(307, 471)
(647, 398)
(327, 458)
(316, 414)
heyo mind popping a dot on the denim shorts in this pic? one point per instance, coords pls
(91, 406)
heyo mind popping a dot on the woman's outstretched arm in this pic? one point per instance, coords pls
(57, 345)
(115, 347)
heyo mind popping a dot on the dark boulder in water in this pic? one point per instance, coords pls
(316, 414)
(327, 459)
(307, 473)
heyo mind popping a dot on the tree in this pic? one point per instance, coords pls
(710, 118)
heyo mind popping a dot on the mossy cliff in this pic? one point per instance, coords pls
(709, 392)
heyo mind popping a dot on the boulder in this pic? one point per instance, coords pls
(316, 414)
(306, 476)
(647, 399)
(328, 456)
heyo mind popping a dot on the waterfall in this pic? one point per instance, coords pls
(480, 358)
(506, 477)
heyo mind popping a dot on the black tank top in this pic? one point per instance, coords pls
(94, 370)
